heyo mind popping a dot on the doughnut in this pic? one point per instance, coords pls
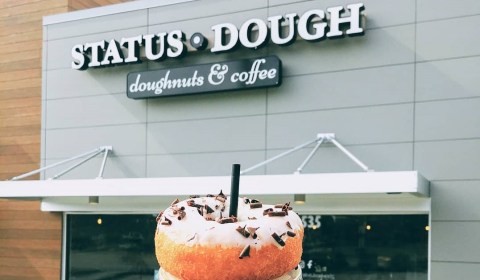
(195, 239)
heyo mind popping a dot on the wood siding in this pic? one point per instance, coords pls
(30, 240)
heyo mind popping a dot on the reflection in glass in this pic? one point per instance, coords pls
(110, 247)
(365, 247)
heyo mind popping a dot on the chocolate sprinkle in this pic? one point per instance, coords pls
(243, 232)
(209, 209)
(159, 216)
(266, 211)
(227, 220)
(255, 205)
(289, 225)
(181, 215)
(278, 239)
(193, 237)
(276, 214)
(291, 233)
(221, 194)
(252, 231)
(252, 218)
(166, 222)
(245, 252)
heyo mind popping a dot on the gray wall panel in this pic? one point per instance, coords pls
(207, 164)
(388, 157)
(116, 167)
(454, 119)
(378, 13)
(201, 9)
(214, 135)
(451, 270)
(382, 85)
(377, 124)
(450, 38)
(95, 25)
(125, 139)
(385, 46)
(251, 102)
(439, 9)
(456, 78)
(94, 111)
(455, 200)
(65, 83)
(455, 241)
(448, 160)
(59, 52)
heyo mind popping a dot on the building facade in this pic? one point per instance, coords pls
(401, 96)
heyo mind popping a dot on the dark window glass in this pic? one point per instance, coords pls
(119, 247)
(366, 247)
(339, 247)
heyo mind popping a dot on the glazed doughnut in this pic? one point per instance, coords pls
(195, 239)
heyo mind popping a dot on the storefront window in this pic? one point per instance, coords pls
(340, 247)
(352, 247)
(110, 247)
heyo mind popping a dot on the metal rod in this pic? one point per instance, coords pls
(278, 156)
(75, 165)
(350, 155)
(309, 157)
(55, 164)
(104, 161)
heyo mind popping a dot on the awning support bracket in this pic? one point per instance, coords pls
(321, 138)
(89, 155)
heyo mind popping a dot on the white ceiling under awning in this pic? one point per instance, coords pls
(374, 189)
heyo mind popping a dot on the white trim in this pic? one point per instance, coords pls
(109, 10)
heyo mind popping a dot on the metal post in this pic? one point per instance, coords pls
(75, 166)
(102, 167)
(97, 150)
(309, 157)
(350, 155)
(278, 156)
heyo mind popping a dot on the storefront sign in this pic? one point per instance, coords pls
(222, 76)
(278, 29)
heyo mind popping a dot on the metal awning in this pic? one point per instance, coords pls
(147, 194)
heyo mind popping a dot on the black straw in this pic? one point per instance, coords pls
(234, 189)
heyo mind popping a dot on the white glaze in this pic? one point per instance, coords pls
(194, 229)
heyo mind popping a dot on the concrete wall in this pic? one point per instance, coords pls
(403, 97)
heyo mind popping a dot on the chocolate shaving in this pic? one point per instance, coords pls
(228, 220)
(194, 196)
(291, 233)
(254, 201)
(252, 231)
(252, 218)
(181, 215)
(289, 225)
(246, 200)
(255, 205)
(200, 211)
(220, 198)
(175, 202)
(191, 238)
(210, 195)
(159, 216)
(221, 194)
(266, 211)
(209, 209)
(278, 239)
(276, 214)
(166, 222)
(191, 202)
(243, 232)
(245, 252)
